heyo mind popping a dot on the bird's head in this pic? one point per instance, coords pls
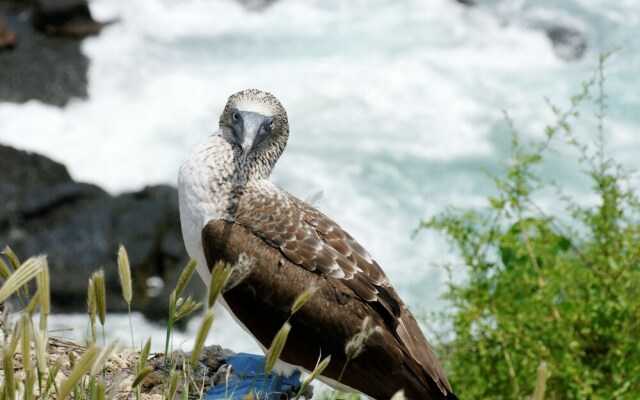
(256, 125)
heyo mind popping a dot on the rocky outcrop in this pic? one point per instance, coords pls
(43, 66)
(65, 18)
(80, 226)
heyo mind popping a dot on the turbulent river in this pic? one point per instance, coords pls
(395, 107)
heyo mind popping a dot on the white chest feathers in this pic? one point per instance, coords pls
(204, 184)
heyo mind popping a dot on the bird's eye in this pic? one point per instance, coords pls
(235, 116)
(268, 126)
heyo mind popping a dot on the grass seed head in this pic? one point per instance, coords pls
(25, 340)
(33, 303)
(124, 272)
(219, 277)
(203, 331)
(144, 353)
(174, 381)
(99, 292)
(92, 307)
(356, 345)
(104, 355)
(313, 375)
(40, 343)
(15, 263)
(43, 286)
(13, 258)
(141, 375)
(302, 299)
(185, 277)
(9, 378)
(101, 390)
(4, 270)
(15, 338)
(186, 307)
(44, 293)
(80, 368)
(20, 277)
(277, 345)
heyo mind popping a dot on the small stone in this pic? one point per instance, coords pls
(8, 38)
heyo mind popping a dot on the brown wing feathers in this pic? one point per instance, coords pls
(309, 239)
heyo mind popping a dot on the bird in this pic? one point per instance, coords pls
(281, 246)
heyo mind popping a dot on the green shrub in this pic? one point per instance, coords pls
(561, 288)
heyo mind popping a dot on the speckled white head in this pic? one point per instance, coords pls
(257, 101)
(255, 124)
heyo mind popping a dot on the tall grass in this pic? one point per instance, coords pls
(80, 372)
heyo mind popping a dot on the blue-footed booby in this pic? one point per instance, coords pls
(231, 212)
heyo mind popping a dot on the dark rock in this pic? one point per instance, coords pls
(568, 38)
(8, 38)
(80, 226)
(568, 43)
(51, 70)
(65, 18)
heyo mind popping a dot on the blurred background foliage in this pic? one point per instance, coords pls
(559, 288)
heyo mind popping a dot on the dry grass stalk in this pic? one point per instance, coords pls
(277, 345)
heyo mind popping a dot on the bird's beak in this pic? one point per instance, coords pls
(251, 126)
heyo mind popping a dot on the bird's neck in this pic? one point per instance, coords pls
(216, 173)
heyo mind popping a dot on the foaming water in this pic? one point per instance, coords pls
(394, 106)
